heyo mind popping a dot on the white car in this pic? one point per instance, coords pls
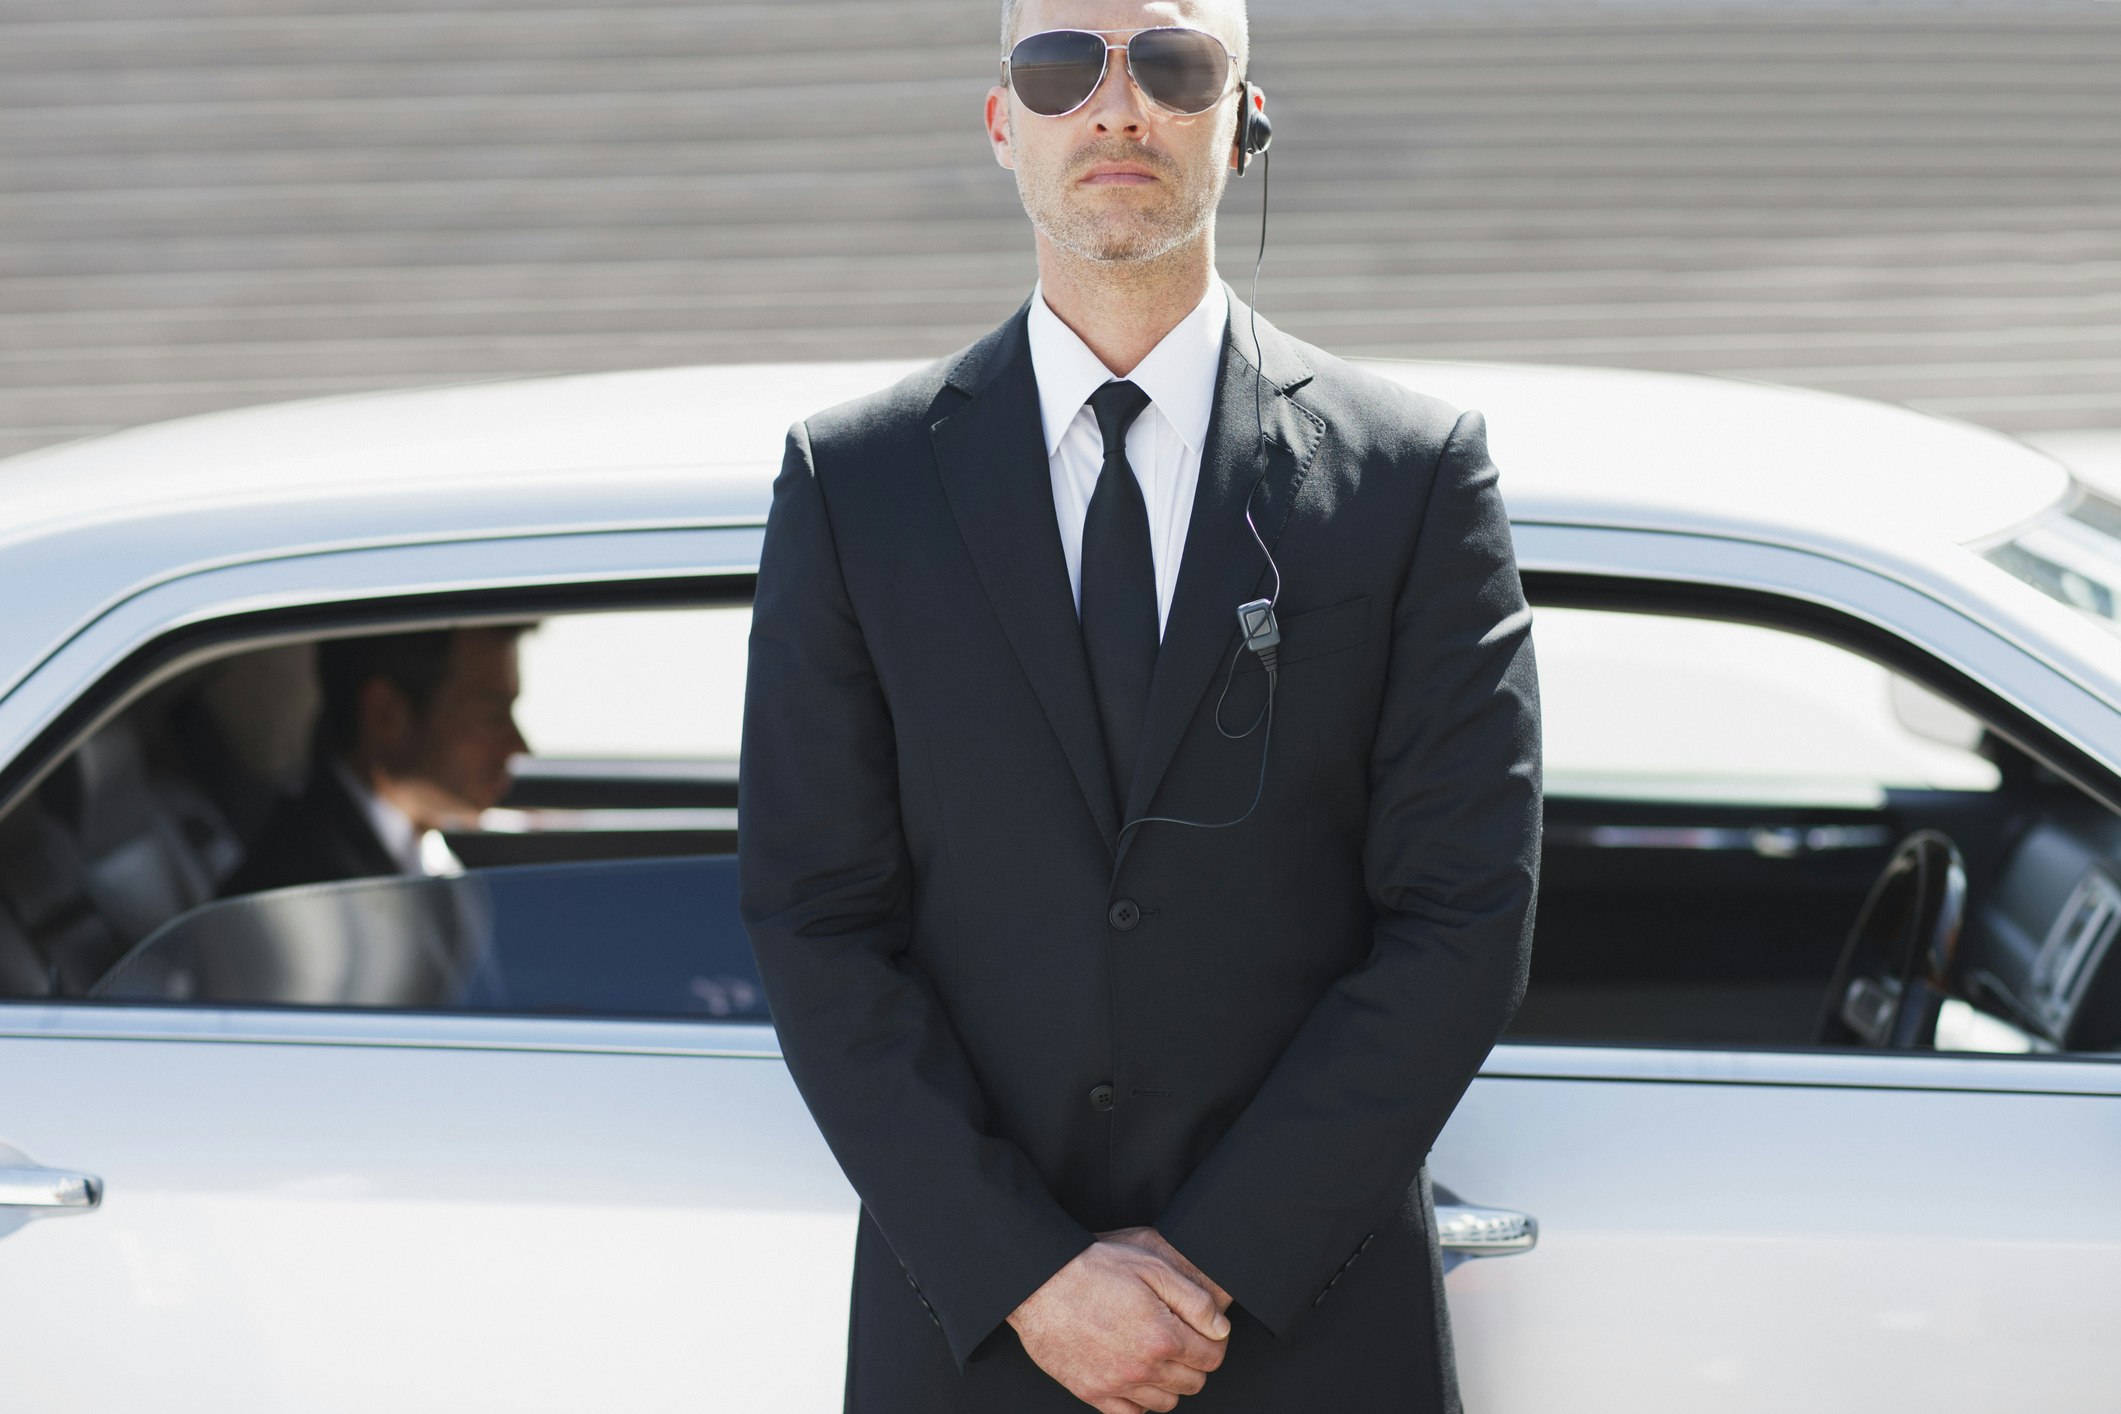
(1814, 1103)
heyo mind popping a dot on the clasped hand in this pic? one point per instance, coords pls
(1128, 1326)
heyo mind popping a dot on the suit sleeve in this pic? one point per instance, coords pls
(1337, 1133)
(826, 898)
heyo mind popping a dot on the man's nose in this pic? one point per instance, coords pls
(1117, 106)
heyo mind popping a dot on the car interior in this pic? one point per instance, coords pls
(1754, 837)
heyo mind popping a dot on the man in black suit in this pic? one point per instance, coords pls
(1138, 1109)
(415, 736)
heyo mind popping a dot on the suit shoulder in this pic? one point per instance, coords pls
(873, 423)
(300, 841)
(1373, 414)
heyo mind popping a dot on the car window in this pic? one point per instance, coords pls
(1661, 706)
(430, 751)
(1719, 797)
(1723, 800)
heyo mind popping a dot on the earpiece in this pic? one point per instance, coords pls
(1254, 132)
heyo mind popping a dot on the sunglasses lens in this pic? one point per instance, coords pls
(1054, 71)
(1183, 69)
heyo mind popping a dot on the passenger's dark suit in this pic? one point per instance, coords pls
(1256, 1054)
(313, 837)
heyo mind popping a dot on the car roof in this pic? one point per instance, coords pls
(84, 523)
(1572, 444)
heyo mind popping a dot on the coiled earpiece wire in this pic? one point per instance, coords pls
(1268, 654)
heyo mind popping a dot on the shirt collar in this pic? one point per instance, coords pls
(1178, 375)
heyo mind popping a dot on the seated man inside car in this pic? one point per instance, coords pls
(415, 737)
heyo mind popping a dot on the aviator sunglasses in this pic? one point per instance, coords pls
(1055, 71)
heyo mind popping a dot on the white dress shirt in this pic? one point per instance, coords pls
(415, 850)
(1163, 444)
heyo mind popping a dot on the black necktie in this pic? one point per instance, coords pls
(1119, 588)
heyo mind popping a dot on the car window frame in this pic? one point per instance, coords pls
(2049, 715)
(145, 640)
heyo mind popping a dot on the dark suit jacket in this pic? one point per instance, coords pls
(314, 836)
(1257, 1055)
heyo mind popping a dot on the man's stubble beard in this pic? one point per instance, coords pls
(1119, 237)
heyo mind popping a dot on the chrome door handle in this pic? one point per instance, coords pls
(28, 1186)
(1484, 1232)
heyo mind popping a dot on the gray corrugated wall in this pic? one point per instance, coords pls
(208, 203)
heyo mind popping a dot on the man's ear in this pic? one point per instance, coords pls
(385, 719)
(998, 125)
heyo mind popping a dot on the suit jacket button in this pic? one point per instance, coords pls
(1124, 914)
(1101, 1098)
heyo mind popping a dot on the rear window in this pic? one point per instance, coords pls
(2073, 556)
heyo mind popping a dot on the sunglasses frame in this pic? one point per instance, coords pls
(1105, 65)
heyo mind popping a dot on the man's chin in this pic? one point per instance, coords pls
(1128, 245)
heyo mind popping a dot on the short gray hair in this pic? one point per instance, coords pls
(1244, 32)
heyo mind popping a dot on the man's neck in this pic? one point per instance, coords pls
(1122, 311)
(381, 787)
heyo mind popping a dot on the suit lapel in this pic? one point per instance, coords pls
(1222, 566)
(991, 452)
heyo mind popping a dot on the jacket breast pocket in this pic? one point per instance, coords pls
(1317, 632)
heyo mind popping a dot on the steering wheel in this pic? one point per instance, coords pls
(1895, 969)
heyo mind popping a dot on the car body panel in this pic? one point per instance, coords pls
(556, 1169)
(1766, 1244)
(350, 1227)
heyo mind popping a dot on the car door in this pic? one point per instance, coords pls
(1755, 1222)
(345, 1213)
(291, 1206)
(1730, 1230)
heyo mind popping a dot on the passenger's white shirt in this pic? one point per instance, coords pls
(1163, 444)
(415, 850)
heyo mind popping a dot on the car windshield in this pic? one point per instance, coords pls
(2073, 556)
(647, 938)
